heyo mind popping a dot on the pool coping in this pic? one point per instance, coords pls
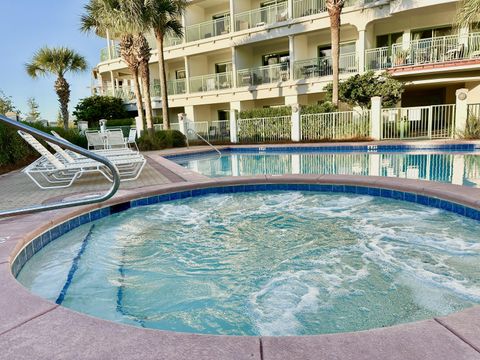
(31, 325)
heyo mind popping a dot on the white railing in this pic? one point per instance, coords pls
(474, 110)
(308, 7)
(257, 130)
(318, 67)
(171, 40)
(378, 59)
(208, 29)
(429, 122)
(176, 87)
(262, 16)
(218, 131)
(198, 127)
(263, 75)
(436, 50)
(335, 126)
(114, 52)
(211, 82)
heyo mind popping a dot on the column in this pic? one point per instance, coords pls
(296, 126)
(109, 49)
(290, 9)
(234, 67)
(376, 118)
(232, 16)
(184, 25)
(361, 47)
(291, 52)
(235, 107)
(461, 111)
(374, 165)
(458, 170)
(406, 39)
(296, 161)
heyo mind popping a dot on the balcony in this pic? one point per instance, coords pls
(208, 29)
(211, 82)
(263, 75)
(261, 17)
(308, 7)
(378, 59)
(318, 67)
(174, 87)
(451, 48)
(172, 41)
(115, 53)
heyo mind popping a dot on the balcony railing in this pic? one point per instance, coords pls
(263, 75)
(260, 17)
(437, 50)
(172, 41)
(174, 87)
(318, 67)
(115, 52)
(378, 59)
(208, 29)
(308, 7)
(211, 82)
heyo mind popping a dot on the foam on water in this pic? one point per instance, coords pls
(277, 263)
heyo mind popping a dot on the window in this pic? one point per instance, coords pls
(278, 58)
(180, 74)
(388, 40)
(431, 33)
(223, 68)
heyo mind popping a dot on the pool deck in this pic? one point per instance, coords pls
(34, 328)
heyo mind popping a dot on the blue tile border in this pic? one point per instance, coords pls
(44, 239)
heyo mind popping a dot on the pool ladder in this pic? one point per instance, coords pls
(65, 145)
(190, 130)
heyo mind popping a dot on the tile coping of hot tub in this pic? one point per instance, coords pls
(460, 200)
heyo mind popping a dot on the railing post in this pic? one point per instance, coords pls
(429, 120)
(461, 112)
(182, 123)
(296, 126)
(376, 130)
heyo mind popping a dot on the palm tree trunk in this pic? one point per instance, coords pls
(334, 12)
(138, 95)
(163, 79)
(62, 88)
(145, 75)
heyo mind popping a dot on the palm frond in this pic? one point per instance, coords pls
(468, 12)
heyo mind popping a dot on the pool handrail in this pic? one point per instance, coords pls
(202, 138)
(66, 145)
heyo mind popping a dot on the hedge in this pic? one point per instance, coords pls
(162, 139)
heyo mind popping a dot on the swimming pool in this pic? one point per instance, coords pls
(459, 166)
(268, 263)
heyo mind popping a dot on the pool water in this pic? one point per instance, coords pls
(456, 168)
(266, 263)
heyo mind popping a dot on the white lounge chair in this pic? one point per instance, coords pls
(52, 172)
(131, 140)
(115, 139)
(95, 140)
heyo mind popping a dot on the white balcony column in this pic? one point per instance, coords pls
(291, 53)
(109, 50)
(187, 75)
(182, 122)
(461, 111)
(232, 16)
(290, 9)
(360, 50)
(235, 107)
(234, 67)
(376, 118)
(184, 25)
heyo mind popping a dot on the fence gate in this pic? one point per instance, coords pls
(422, 122)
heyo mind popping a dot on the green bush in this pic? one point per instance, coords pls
(266, 112)
(162, 139)
(472, 128)
(323, 107)
(15, 152)
(121, 122)
(95, 108)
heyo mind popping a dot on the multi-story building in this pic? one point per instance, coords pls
(243, 54)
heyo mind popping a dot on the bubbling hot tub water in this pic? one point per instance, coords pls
(265, 263)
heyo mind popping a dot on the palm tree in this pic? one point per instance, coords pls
(334, 8)
(163, 18)
(57, 61)
(120, 19)
(468, 12)
(142, 53)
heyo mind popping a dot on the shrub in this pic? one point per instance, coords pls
(95, 108)
(472, 128)
(323, 107)
(266, 112)
(121, 122)
(162, 139)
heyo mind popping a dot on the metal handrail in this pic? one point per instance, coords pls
(201, 137)
(66, 145)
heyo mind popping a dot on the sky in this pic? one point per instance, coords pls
(28, 25)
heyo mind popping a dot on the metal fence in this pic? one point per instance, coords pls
(263, 75)
(262, 16)
(211, 82)
(429, 122)
(474, 110)
(208, 29)
(335, 126)
(318, 67)
(265, 129)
